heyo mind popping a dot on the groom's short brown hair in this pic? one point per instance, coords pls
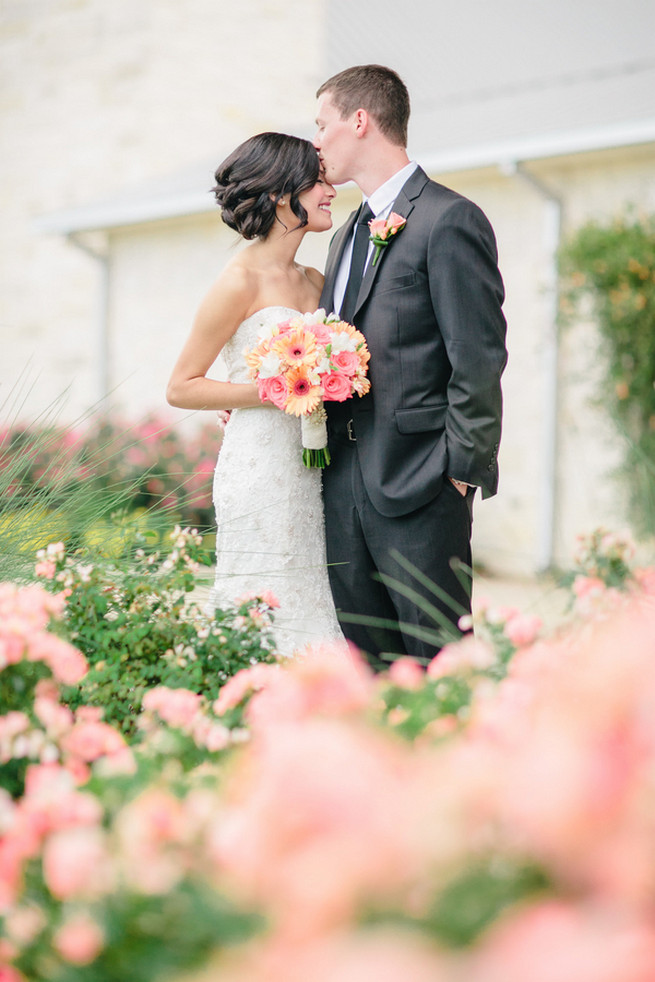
(378, 90)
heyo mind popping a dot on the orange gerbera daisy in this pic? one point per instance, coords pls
(298, 347)
(304, 396)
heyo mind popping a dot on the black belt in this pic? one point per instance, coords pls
(344, 430)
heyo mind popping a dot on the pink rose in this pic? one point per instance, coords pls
(79, 940)
(322, 333)
(336, 387)
(395, 222)
(378, 227)
(274, 390)
(346, 361)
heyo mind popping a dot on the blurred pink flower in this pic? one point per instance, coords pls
(330, 679)
(645, 577)
(266, 596)
(55, 718)
(45, 569)
(406, 673)
(67, 664)
(470, 653)
(23, 923)
(177, 707)
(325, 814)
(556, 942)
(570, 745)
(154, 836)
(240, 685)
(522, 629)
(10, 974)
(373, 955)
(89, 740)
(77, 864)
(79, 940)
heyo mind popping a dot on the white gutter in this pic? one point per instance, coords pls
(504, 153)
(552, 234)
(183, 198)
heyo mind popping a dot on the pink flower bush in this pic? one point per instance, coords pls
(490, 819)
(25, 614)
(303, 820)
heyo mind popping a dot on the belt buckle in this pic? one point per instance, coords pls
(351, 431)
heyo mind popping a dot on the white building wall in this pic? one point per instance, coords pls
(98, 95)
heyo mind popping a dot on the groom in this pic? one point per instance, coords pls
(406, 458)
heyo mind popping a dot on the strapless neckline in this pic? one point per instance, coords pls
(265, 310)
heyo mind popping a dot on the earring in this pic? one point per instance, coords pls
(281, 201)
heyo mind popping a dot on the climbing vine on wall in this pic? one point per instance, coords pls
(614, 265)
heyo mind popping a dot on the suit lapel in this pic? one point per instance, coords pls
(334, 261)
(403, 205)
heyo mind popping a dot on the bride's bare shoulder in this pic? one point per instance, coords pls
(229, 297)
(315, 277)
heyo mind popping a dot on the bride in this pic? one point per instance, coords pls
(269, 509)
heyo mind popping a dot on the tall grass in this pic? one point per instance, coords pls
(98, 485)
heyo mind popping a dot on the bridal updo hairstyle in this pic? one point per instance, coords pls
(251, 181)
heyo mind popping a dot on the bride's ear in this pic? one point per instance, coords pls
(276, 201)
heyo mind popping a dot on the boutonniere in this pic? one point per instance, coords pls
(382, 231)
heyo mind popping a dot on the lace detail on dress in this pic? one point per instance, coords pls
(269, 511)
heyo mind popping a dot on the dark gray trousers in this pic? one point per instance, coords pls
(436, 539)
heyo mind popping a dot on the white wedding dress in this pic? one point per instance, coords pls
(269, 511)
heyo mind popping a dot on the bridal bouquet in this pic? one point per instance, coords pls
(305, 361)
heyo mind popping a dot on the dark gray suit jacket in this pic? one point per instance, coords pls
(430, 310)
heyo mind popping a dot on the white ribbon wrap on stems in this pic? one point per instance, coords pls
(313, 432)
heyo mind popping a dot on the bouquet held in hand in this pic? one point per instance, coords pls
(305, 361)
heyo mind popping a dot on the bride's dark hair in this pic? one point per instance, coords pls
(251, 181)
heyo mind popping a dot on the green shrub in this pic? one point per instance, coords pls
(135, 627)
(615, 265)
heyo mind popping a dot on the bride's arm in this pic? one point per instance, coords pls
(218, 317)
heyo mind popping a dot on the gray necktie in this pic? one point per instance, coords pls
(360, 250)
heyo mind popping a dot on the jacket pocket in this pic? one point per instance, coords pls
(395, 283)
(422, 419)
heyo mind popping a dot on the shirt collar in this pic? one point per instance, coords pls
(384, 196)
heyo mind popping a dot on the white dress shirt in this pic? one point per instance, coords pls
(380, 203)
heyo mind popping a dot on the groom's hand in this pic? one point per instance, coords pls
(461, 486)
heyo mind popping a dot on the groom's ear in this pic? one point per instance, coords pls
(361, 122)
